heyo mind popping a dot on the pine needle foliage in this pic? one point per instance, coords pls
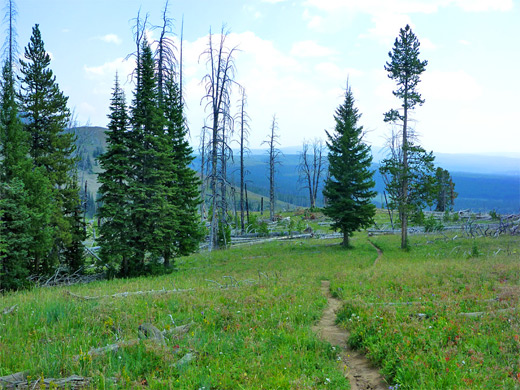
(350, 186)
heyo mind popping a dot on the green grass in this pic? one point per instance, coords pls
(428, 343)
(259, 335)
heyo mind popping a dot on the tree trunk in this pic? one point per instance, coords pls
(213, 235)
(247, 203)
(404, 211)
(345, 242)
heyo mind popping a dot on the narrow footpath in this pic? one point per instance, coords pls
(356, 367)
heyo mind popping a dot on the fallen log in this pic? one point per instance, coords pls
(481, 313)
(9, 310)
(126, 294)
(19, 381)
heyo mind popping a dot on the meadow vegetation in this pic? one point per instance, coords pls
(252, 309)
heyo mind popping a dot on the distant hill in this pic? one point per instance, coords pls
(484, 182)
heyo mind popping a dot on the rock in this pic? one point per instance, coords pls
(178, 331)
(150, 332)
(186, 359)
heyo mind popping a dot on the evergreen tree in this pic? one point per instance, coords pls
(25, 194)
(405, 69)
(445, 187)
(14, 235)
(115, 162)
(420, 178)
(349, 187)
(153, 214)
(45, 113)
(189, 233)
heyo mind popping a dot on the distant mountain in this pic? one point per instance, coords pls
(507, 164)
(484, 182)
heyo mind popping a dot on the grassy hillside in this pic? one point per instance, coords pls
(251, 309)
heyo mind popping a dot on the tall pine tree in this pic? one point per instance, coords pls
(350, 186)
(24, 196)
(187, 197)
(153, 214)
(45, 113)
(405, 69)
(115, 229)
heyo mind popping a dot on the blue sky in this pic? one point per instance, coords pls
(295, 59)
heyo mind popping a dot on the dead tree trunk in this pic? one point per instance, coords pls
(218, 83)
(274, 159)
(311, 168)
(244, 133)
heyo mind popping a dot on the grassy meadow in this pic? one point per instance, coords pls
(251, 311)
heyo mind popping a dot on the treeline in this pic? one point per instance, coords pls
(149, 195)
(41, 224)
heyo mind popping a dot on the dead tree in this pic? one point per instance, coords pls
(274, 159)
(203, 168)
(243, 121)
(311, 167)
(139, 31)
(11, 44)
(225, 155)
(166, 61)
(218, 84)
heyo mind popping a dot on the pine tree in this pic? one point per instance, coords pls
(349, 188)
(24, 197)
(153, 214)
(405, 68)
(45, 113)
(114, 211)
(421, 183)
(189, 233)
(445, 190)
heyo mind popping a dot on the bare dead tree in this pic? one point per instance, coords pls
(274, 159)
(203, 168)
(218, 83)
(180, 62)
(226, 154)
(243, 122)
(165, 53)
(139, 30)
(311, 167)
(10, 44)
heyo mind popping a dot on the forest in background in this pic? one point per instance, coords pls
(483, 183)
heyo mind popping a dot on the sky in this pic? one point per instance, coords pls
(294, 60)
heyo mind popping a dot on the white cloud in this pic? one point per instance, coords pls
(120, 65)
(313, 21)
(339, 75)
(310, 49)
(454, 86)
(372, 7)
(484, 5)
(464, 42)
(273, 1)
(428, 44)
(386, 27)
(110, 38)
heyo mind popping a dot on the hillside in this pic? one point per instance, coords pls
(483, 182)
(440, 316)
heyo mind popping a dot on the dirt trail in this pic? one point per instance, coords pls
(360, 372)
(379, 252)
